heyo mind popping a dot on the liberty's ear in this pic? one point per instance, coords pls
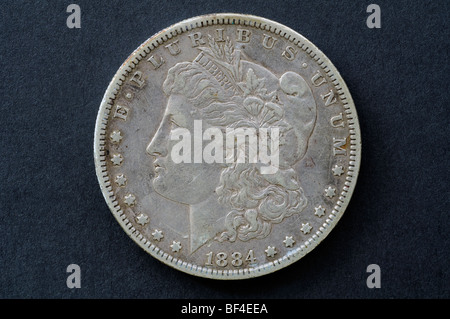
(300, 113)
(293, 84)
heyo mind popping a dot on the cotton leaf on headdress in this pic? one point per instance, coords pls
(253, 85)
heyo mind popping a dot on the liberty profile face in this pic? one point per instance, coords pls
(186, 183)
(233, 201)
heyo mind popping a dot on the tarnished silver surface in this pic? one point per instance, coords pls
(225, 219)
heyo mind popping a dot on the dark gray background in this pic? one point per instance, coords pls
(52, 212)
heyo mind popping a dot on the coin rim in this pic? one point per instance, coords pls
(223, 19)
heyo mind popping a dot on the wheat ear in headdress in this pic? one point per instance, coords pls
(223, 62)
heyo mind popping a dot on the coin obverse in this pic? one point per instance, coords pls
(227, 146)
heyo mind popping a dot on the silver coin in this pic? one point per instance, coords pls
(227, 146)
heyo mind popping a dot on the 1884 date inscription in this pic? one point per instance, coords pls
(227, 146)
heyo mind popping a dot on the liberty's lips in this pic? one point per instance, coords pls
(158, 165)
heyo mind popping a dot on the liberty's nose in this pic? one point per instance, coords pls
(158, 144)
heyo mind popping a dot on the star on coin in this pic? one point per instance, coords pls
(330, 192)
(176, 246)
(306, 228)
(130, 199)
(157, 235)
(270, 251)
(289, 242)
(116, 159)
(142, 219)
(338, 170)
(319, 211)
(121, 180)
(116, 137)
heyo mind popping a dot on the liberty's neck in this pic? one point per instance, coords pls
(207, 219)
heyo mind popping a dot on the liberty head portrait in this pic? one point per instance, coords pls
(229, 201)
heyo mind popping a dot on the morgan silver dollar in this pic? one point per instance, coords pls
(227, 146)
